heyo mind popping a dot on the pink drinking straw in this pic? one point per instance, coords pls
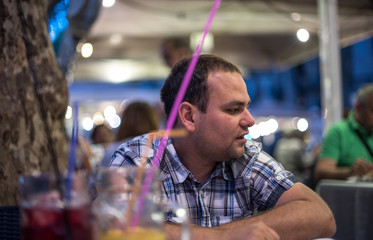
(173, 113)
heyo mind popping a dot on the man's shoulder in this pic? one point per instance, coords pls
(137, 141)
(341, 124)
(341, 127)
(254, 157)
(261, 168)
(134, 150)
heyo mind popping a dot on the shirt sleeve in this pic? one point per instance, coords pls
(269, 181)
(133, 152)
(123, 157)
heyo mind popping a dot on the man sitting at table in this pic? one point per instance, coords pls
(347, 147)
(230, 187)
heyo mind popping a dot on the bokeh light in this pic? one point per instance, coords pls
(302, 124)
(303, 35)
(98, 118)
(87, 123)
(69, 112)
(87, 50)
(108, 3)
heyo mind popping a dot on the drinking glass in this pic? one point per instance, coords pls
(55, 207)
(127, 205)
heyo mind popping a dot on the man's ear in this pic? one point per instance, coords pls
(358, 107)
(186, 115)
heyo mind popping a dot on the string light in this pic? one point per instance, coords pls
(108, 3)
(87, 50)
(303, 35)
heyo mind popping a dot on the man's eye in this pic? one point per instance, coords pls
(234, 110)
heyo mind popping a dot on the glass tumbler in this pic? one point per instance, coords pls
(128, 206)
(55, 207)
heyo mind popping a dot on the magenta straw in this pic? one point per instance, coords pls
(173, 113)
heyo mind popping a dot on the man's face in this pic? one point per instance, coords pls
(220, 131)
(366, 114)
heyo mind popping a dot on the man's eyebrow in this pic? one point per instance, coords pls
(236, 103)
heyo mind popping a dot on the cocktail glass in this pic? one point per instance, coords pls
(55, 207)
(122, 211)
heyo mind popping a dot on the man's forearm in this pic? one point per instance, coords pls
(294, 217)
(293, 221)
(300, 219)
(254, 231)
(341, 173)
(174, 231)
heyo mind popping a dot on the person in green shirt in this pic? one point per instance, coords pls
(343, 151)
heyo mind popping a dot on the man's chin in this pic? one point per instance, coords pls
(239, 152)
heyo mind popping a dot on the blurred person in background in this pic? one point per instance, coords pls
(347, 147)
(102, 134)
(101, 137)
(138, 118)
(173, 49)
(290, 151)
(90, 153)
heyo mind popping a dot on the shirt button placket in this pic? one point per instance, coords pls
(205, 212)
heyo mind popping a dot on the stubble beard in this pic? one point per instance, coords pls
(218, 153)
(230, 153)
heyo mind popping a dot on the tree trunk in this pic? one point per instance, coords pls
(33, 97)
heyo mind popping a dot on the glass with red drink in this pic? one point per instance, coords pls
(55, 207)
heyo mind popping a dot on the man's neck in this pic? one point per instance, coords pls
(200, 167)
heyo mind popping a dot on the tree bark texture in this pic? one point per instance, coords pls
(33, 97)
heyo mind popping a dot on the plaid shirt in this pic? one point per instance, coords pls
(236, 189)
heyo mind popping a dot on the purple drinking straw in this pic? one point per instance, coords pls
(173, 113)
(71, 163)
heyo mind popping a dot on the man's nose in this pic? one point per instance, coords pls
(247, 119)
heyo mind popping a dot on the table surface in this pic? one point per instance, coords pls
(351, 204)
(344, 183)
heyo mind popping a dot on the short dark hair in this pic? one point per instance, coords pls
(364, 93)
(138, 118)
(197, 91)
(96, 132)
(177, 43)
